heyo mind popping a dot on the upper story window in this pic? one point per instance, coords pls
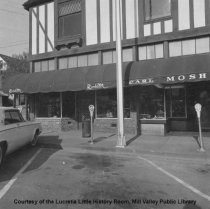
(157, 9)
(69, 18)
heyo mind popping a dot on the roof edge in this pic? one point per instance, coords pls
(32, 3)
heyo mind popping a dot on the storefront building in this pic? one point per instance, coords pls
(166, 64)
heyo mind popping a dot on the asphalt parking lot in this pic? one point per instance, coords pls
(65, 172)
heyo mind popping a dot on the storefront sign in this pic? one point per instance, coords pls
(141, 81)
(200, 76)
(95, 86)
(170, 79)
(13, 91)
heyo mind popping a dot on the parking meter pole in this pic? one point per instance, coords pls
(91, 126)
(198, 111)
(91, 110)
(200, 136)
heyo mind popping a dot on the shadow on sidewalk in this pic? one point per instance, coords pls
(99, 139)
(197, 140)
(132, 139)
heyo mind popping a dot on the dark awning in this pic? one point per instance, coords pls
(160, 71)
(54, 81)
(104, 76)
(172, 70)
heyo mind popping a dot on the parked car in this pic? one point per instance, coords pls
(15, 132)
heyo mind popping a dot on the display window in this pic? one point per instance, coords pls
(152, 103)
(68, 104)
(106, 101)
(48, 105)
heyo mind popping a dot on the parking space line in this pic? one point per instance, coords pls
(5, 189)
(188, 186)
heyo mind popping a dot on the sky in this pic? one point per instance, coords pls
(14, 27)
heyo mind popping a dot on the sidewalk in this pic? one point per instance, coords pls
(172, 144)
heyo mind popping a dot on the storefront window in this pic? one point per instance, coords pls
(68, 104)
(48, 105)
(107, 104)
(176, 104)
(20, 99)
(152, 103)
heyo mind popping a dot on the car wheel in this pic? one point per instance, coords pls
(35, 140)
(1, 155)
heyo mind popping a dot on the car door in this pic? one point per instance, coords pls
(11, 132)
(23, 129)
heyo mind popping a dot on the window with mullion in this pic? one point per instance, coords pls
(69, 18)
(157, 9)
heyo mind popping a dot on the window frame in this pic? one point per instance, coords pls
(68, 41)
(157, 18)
(111, 118)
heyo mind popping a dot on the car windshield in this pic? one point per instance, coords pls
(13, 116)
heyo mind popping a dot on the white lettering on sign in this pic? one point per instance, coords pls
(203, 75)
(186, 77)
(12, 91)
(95, 86)
(181, 78)
(141, 81)
(170, 78)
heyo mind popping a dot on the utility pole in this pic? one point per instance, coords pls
(120, 115)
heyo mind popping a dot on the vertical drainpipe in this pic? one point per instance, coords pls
(61, 105)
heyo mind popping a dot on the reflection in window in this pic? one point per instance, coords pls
(187, 47)
(45, 65)
(151, 52)
(175, 48)
(62, 62)
(48, 105)
(107, 104)
(176, 105)
(70, 17)
(157, 9)
(202, 45)
(68, 109)
(110, 56)
(152, 103)
(92, 59)
(72, 62)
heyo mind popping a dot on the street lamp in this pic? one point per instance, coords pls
(120, 115)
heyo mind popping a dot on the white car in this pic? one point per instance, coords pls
(15, 132)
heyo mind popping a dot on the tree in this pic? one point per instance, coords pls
(23, 56)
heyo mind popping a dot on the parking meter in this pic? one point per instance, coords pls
(91, 110)
(198, 108)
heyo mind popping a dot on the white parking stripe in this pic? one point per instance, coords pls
(5, 189)
(193, 189)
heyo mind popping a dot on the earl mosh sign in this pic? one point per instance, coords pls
(159, 80)
(171, 79)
